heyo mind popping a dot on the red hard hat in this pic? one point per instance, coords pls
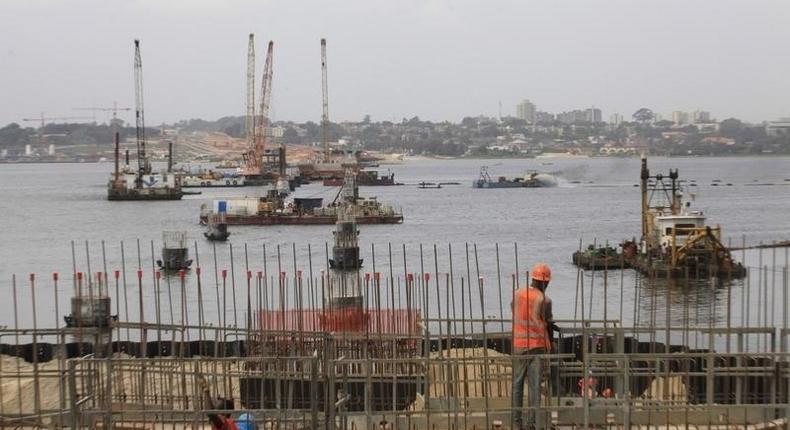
(541, 272)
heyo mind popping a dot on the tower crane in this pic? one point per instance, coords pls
(43, 119)
(325, 97)
(114, 109)
(143, 164)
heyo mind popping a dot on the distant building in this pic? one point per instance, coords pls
(700, 116)
(680, 117)
(593, 115)
(526, 110)
(573, 117)
(615, 119)
(544, 117)
(51, 149)
(780, 127)
(28, 150)
(277, 131)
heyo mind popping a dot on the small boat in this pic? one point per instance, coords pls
(217, 228)
(429, 185)
(600, 258)
(175, 252)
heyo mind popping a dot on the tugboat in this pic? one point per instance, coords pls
(175, 251)
(273, 210)
(142, 184)
(531, 179)
(217, 228)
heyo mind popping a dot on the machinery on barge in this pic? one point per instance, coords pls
(144, 183)
(675, 242)
(531, 179)
(274, 210)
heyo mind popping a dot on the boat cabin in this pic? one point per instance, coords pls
(676, 229)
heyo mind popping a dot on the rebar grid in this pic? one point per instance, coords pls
(690, 353)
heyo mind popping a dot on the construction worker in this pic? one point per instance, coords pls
(218, 422)
(532, 336)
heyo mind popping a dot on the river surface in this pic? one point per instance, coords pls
(46, 207)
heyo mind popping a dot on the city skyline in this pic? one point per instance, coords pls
(399, 59)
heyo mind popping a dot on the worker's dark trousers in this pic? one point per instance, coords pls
(526, 366)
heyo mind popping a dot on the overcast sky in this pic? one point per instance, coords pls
(440, 60)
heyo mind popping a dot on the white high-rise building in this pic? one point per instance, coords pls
(615, 119)
(526, 110)
(680, 117)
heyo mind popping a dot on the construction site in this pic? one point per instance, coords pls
(409, 337)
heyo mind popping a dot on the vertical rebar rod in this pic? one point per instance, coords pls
(233, 292)
(59, 355)
(17, 352)
(36, 381)
(125, 295)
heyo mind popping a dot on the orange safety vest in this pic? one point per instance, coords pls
(529, 324)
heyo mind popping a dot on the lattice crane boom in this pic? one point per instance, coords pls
(250, 120)
(255, 154)
(42, 119)
(325, 100)
(114, 109)
(143, 165)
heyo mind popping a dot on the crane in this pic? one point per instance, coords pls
(254, 155)
(143, 165)
(250, 120)
(43, 119)
(114, 109)
(325, 97)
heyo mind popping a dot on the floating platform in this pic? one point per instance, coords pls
(295, 219)
(144, 194)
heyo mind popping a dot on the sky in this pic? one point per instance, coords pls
(436, 59)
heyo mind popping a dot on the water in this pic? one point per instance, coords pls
(46, 207)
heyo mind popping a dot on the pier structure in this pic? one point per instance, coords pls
(431, 350)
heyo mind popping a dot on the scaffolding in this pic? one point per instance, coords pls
(434, 352)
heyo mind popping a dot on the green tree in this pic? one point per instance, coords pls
(643, 115)
(730, 126)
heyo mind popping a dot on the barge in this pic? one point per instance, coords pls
(531, 179)
(676, 242)
(274, 210)
(142, 184)
(365, 178)
(212, 179)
